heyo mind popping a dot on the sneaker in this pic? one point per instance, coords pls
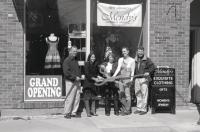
(137, 112)
(89, 115)
(93, 114)
(67, 116)
(142, 113)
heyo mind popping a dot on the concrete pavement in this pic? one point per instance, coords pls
(51, 120)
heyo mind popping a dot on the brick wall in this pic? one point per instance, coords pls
(169, 45)
(12, 60)
(11, 57)
(169, 39)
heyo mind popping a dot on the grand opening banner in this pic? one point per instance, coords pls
(119, 15)
(43, 88)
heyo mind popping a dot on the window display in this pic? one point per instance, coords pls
(53, 26)
(52, 59)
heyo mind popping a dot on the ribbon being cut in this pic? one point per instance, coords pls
(102, 81)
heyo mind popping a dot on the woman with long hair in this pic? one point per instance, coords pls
(89, 89)
(110, 90)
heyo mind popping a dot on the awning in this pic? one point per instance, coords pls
(71, 11)
(51, 15)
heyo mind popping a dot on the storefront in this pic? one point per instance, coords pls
(51, 28)
(39, 29)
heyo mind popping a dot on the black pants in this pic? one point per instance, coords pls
(111, 93)
(89, 98)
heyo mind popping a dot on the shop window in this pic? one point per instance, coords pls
(117, 37)
(50, 25)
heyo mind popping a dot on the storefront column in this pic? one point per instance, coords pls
(88, 3)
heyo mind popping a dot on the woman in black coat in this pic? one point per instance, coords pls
(89, 89)
(110, 90)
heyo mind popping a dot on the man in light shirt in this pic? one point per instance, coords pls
(126, 67)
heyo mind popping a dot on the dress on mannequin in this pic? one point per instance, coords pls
(52, 59)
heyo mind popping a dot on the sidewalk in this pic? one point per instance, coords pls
(42, 113)
(183, 121)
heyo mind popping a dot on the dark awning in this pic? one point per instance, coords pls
(72, 11)
(51, 15)
(19, 7)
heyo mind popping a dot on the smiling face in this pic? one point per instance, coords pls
(125, 52)
(92, 58)
(73, 51)
(111, 59)
(140, 53)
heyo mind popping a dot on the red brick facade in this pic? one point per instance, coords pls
(169, 39)
(169, 45)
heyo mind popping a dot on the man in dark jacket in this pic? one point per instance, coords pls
(72, 77)
(143, 65)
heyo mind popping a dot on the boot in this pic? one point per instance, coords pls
(93, 108)
(87, 107)
(116, 107)
(107, 107)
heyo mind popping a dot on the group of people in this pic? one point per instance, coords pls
(127, 73)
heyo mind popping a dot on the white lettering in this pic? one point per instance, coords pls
(35, 92)
(42, 92)
(163, 105)
(32, 82)
(55, 82)
(30, 92)
(163, 100)
(37, 82)
(44, 84)
(163, 83)
(49, 82)
(58, 92)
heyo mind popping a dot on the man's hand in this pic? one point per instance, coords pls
(78, 78)
(99, 77)
(146, 74)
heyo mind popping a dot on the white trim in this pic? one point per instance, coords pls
(148, 28)
(45, 100)
(24, 45)
(88, 4)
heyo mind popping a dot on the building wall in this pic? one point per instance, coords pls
(12, 61)
(169, 40)
(11, 57)
(169, 45)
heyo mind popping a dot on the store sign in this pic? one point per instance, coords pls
(163, 80)
(119, 15)
(163, 90)
(43, 88)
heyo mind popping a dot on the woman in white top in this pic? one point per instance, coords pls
(126, 67)
(110, 90)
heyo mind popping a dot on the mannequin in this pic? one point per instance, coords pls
(52, 59)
